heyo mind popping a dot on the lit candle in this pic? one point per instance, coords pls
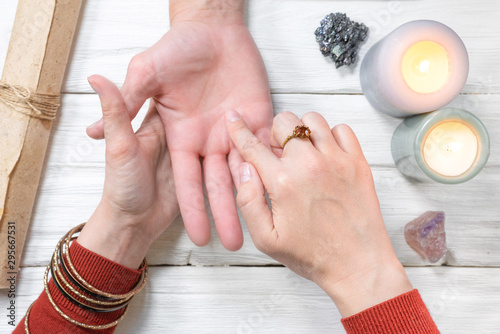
(419, 67)
(448, 146)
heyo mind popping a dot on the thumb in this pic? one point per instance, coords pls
(254, 208)
(116, 121)
(139, 85)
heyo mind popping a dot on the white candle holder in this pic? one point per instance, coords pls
(419, 67)
(424, 147)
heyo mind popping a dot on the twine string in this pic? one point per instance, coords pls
(23, 100)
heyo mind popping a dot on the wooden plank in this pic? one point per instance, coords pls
(274, 300)
(473, 223)
(283, 31)
(70, 146)
(375, 129)
(74, 176)
(227, 299)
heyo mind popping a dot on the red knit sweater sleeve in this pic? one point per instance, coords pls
(100, 272)
(405, 313)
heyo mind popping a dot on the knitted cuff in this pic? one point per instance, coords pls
(103, 274)
(405, 313)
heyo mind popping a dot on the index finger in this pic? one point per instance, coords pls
(249, 146)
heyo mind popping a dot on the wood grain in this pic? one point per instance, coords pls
(223, 292)
(111, 33)
(471, 241)
(74, 175)
(71, 147)
(275, 300)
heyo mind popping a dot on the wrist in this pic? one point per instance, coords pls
(368, 288)
(114, 237)
(214, 11)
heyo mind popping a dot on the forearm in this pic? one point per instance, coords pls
(380, 299)
(369, 288)
(206, 10)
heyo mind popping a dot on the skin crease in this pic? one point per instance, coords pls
(325, 222)
(138, 201)
(207, 63)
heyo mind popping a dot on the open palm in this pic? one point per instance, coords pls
(195, 73)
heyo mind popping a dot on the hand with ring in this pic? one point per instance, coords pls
(300, 131)
(325, 223)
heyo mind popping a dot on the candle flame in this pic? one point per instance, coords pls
(424, 66)
(452, 147)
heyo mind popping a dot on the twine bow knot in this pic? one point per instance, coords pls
(23, 100)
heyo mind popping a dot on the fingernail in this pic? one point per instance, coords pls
(92, 125)
(92, 84)
(245, 174)
(232, 115)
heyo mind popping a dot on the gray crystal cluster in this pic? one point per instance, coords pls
(339, 38)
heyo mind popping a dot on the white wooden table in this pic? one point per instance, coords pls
(211, 290)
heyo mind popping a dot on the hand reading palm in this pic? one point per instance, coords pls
(195, 73)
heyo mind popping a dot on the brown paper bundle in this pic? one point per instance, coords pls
(29, 98)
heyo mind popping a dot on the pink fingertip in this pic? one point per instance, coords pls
(232, 115)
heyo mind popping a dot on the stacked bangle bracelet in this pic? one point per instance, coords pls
(78, 291)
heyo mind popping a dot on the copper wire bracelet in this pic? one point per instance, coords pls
(140, 285)
(74, 322)
(76, 292)
(57, 263)
(102, 299)
(26, 327)
(53, 269)
(69, 274)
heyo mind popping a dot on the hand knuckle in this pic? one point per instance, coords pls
(284, 115)
(119, 151)
(141, 68)
(252, 146)
(310, 116)
(239, 127)
(245, 199)
(345, 168)
(107, 108)
(138, 62)
(283, 180)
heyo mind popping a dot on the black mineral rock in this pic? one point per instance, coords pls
(339, 38)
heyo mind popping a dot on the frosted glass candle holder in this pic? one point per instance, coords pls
(419, 67)
(448, 146)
